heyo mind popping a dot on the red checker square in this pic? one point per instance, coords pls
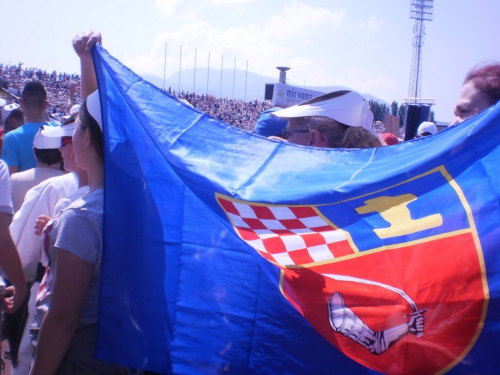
(313, 239)
(292, 224)
(274, 245)
(325, 228)
(248, 234)
(263, 212)
(229, 206)
(302, 212)
(340, 249)
(267, 256)
(300, 257)
(254, 223)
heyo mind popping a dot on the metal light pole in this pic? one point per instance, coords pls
(421, 10)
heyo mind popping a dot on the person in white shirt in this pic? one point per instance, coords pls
(48, 156)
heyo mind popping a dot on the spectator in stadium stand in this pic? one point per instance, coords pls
(390, 139)
(269, 125)
(10, 264)
(235, 112)
(67, 307)
(16, 151)
(3, 103)
(425, 129)
(14, 119)
(71, 98)
(42, 202)
(48, 157)
(481, 89)
(340, 119)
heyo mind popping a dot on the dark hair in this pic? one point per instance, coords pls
(88, 122)
(14, 120)
(338, 135)
(34, 96)
(49, 156)
(486, 78)
(70, 119)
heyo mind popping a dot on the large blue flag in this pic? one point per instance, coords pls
(225, 252)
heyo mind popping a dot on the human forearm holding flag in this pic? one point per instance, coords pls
(82, 44)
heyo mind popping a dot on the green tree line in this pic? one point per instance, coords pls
(381, 109)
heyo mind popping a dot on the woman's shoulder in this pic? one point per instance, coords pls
(88, 206)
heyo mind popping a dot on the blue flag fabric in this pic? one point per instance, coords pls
(225, 252)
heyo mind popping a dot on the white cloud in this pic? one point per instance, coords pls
(372, 24)
(299, 20)
(229, 2)
(309, 39)
(190, 9)
(167, 6)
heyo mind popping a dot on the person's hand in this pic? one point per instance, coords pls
(40, 224)
(416, 325)
(83, 43)
(13, 298)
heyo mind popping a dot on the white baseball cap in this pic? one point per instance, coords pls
(345, 106)
(7, 109)
(427, 126)
(42, 142)
(58, 131)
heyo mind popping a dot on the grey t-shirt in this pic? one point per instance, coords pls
(78, 231)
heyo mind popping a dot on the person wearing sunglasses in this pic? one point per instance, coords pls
(340, 119)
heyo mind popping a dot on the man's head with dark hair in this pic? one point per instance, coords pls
(481, 89)
(33, 97)
(46, 149)
(49, 156)
(14, 120)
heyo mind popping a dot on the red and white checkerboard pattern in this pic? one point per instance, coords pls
(286, 235)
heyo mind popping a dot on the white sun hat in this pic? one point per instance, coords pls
(59, 131)
(94, 107)
(42, 142)
(345, 106)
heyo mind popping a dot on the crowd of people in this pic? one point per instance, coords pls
(234, 112)
(60, 86)
(55, 173)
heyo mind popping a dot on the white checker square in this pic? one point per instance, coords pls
(293, 243)
(320, 252)
(283, 259)
(238, 221)
(301, 231)
(245, 210)
(272, 224)
(313, 222)
(282, 213)
(257, 245)
(264, 233)
(332, 236)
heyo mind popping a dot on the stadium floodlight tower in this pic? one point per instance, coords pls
(421, 10)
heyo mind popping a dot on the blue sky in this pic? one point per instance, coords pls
(362, 44)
